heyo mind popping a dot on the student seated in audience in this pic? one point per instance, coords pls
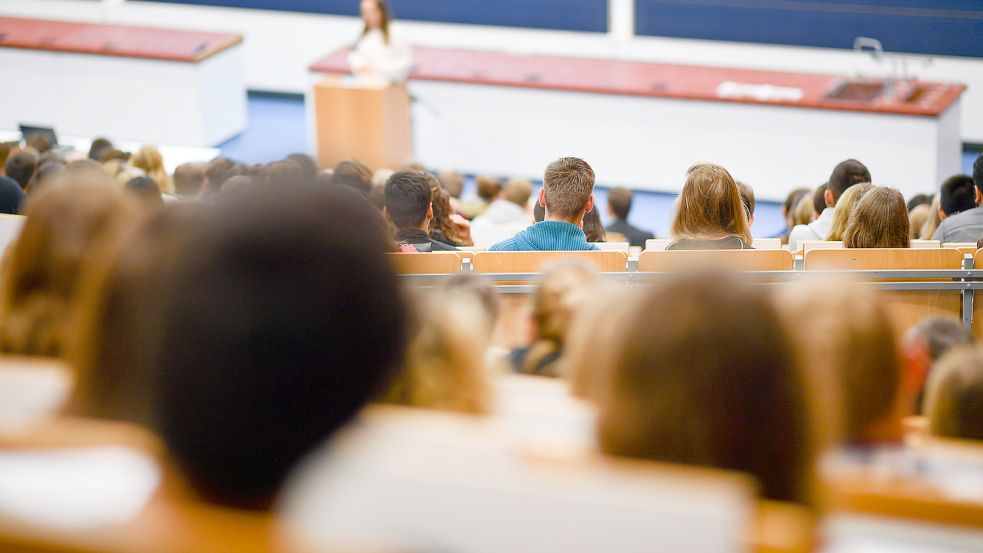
(955, 395)
(189, 179)
(307, 164)
(487, 189)
(917, 218)
(848, 173)
(354, 174)
(845, 207)
(20, 167)
(934, 219)
(593, 227)
(445, 360)
(788, 212)
(563, 289)
(145, 190)
(148, 159)
(707, 375)
(66, 225)
(277, 322)
(968, 225)
(958, 194)
(115, 374)
(217, 172)
(567, 194)
(850, 346)
(505, 217)
(619, 206)
(11, 196)
(709, 212)
(98, 147)
(747, 198)
(926, 342)
(447, 226)
(453, 183)
(48, 173)
(410, 209)
(919, 199)
(880, 220)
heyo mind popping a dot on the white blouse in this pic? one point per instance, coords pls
(391, 60)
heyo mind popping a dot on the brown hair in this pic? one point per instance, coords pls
(934, 219)
(917, 218)
(66, 225)
(569, 183)
(111, 350)
(880, 220)
(441, 226)
(955, 394)
(747, 197)
(383, 6)
(710, 206)
(847, 338)
(804, 211)
(708, 376)
(488, 188)
(844, 207)
(619, 200)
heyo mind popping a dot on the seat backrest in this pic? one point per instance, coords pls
(926, 244)
(809, 245)
(32, 390)
(733, 260)
(10, 226)
(967, 248)
(613, 246)
(434, 263)
(657, 244)
(767, 244)
(533, 262)
(367, 491)
(858, 259)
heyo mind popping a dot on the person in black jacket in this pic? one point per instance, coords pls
(619, 204)
(409, 207)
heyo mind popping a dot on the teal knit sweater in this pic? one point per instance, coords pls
(547, 236)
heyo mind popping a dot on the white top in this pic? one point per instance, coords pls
(816, 230)
(392, 60)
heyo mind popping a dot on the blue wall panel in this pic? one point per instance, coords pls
(937, 27)
(571, 15)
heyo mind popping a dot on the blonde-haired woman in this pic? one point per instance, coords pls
(934, 218)
(564, 288)
(880, 220)
(149, 160)
(445, 361)
(844, 207)
(66, 225)
(710, 214)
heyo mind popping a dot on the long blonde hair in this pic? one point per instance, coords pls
(148, 159)
(710, 206)
(445, 360)
(845, 205)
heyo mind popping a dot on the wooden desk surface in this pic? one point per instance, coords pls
(113, 40)
(605, 76)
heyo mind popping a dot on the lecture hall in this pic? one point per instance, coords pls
(525, 276)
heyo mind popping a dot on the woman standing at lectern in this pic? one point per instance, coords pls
(380, 53)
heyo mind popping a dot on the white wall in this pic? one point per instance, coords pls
(280, 46)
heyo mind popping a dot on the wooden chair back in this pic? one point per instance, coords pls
(657, 244)
(732, 260)
(967, 248)
(925, 244)
(767, 244)
(533, 262)
(434, 263)
(613, 246)
(809, 245)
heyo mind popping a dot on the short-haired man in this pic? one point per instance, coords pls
(848, 173)
(567, 194)
(409, 207)
(506, 216)
(21, 166)
(958, 194)
(619, 205)
(968, 225)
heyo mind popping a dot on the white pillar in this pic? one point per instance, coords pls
(621, 19)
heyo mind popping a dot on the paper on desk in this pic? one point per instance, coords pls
(761, 92)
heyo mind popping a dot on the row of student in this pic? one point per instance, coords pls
(209, 321)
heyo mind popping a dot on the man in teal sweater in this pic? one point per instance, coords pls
(567, 194)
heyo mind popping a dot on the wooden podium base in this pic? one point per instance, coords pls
(367, 122)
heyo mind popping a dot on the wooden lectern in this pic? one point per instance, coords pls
(366, 121)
